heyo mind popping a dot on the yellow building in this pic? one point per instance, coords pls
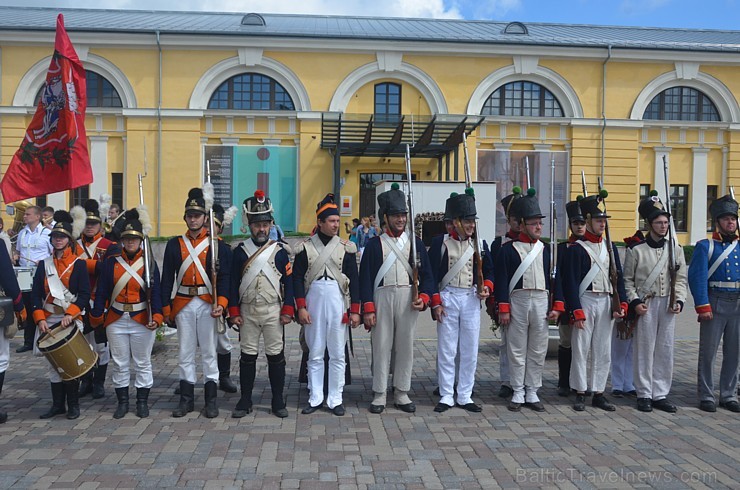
(304, 105)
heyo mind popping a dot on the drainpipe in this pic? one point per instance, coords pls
(603, 106)
(159, 141)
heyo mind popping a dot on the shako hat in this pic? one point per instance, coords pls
(526, 207)
(196, 201)
(92, 210)
(461, 206)
(573, 210)
(257, 207)
(592, 206)
(507, 201)
(393, 201)
(723, 206)
(651, 207)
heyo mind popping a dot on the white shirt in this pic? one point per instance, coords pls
(33, 246)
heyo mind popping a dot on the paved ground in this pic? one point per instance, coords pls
(558, 448)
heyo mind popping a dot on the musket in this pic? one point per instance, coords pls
(583, 183)
(220, 321)
(146, 246)
(672, 265)
(414, 257)
(476, 244)
(553, 235)
(613, 274)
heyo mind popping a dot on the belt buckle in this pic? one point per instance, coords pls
(128, 308)
(193, 291)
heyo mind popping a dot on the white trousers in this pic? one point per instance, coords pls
(195, 328)
(4, 352)
(527, 342)
(51, 371)
(653, 350)
(458, 333)
(595, 338)
(622, 371)
(223, 342)
(128, 339)
(326, 332)
(103, 350)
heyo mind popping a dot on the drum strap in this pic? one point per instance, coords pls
(61, 296)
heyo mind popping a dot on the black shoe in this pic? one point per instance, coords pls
(122, 408)
(187, 395)
(707, 406)
(617, 393)
(58, 399)
(309, 409)
(338, 410)
(142, 402)
(563, 390)
(98, 382)
(514, 406)
(731, 405)
(24, 348)
(645, 404)
(224, 373)
(376, 409)
(243, 408)
(580, 404)
(471, 407)
(211, 393)
(600, 401)
(665, 406)
(631, 393)
(3, 417)
(280, 413)
(406, 407)
(442, 407)
(505, 391)
(72, 391)
(536, 406)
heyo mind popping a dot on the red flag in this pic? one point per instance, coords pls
(53, 156)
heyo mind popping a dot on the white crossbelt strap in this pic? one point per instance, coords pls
(129, 271)
(457, 267)
(90, 251)
(598, 263)
(723, 256)
(259, 264)
(62, 296)
(323, 260)
(526, 263)
(648, 284)
(394, 254)
(192, 258)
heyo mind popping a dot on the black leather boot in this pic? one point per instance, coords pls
(122, 408)
(224, 373)
(72, 390)
(57, 402)
(564, 359)
(3, 415)
(247, 372)
(211, 393)
(86, 383)
(276, 373)
(142, 402)
(187, 392)
(98, 384)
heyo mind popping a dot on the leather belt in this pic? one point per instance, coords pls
(193, 290)
(129, 307)
(724, 284)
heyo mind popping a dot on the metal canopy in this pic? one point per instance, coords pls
(387, 136)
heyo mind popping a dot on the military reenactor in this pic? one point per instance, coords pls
(132, 305)
(512, 234)
(326, 288)
(714, 279)
(389, 310)
(12, 298)
(187, 297)
(587, 288)
(458, 324)
(647, 279)
(523, 275)
(261, 303)
(61, 291)
(93, 248)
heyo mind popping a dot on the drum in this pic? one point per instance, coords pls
(24, 275)
(68, 351)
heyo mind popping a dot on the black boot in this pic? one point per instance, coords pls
(72, 390)
(247, 372)
(224, 373)
(3, 415)
(122, 408)
(565, 356)
(57, 402)
(142, 402)
(276, 373)
(98, 384)
(211, 393)
(187, 392)
(86, 383)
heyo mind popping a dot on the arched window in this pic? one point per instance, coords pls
(522, 98)
(100, 92)
(251, 92)
(387, 102)
(681, 104)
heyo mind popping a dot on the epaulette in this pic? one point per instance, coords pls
(349, 246)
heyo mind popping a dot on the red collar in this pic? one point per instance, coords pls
(201, 233)
(523, 237)
(590, 237)
(512, 234)
(724, 238)
(90, 240)
(390, 232)
(572, 238)
(134, 258)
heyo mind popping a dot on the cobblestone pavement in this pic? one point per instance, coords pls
(559, 448)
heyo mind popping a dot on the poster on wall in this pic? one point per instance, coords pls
(346, 209)
(241, 170)
(509, 169)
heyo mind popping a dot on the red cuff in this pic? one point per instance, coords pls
(625, 307)
(300, 303)
(424, 297)
(345, 319)
(96, 321)
(157, 318)
(354, 308)
(72, 310)
(579, 314)
(504, 308)
(489, 284)
(223, 302)
(558, 306)
(287, 310)
(38, 315)
(368, 307)
(436, 300)
(703, 309)
(19, 300)
(234, 311)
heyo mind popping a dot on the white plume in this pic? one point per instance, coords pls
(104, 201)
(208, 195)
(245, 219)
(145, 219)
(229, 215)
(79, 217)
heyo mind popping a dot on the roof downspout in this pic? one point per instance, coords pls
(603, 106)
(159, 140)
